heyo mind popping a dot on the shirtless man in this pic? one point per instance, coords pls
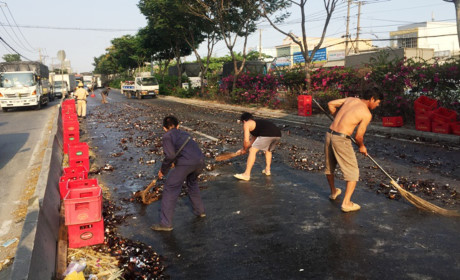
(338, 147)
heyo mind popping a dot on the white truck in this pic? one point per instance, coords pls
(88, 82)
(64, 84)
(24, 83)
(144, 85)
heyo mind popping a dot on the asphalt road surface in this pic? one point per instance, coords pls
(22, 135)
(281, 226)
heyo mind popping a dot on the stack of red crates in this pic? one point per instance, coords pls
(304, 105)
(428, 117)
(442, 120)
(82, 197)
(70, 125)
(424, 107)
(83, 213)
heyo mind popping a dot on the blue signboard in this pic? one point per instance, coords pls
(320, 55)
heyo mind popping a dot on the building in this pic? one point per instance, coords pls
(331, 53)
(440, 36)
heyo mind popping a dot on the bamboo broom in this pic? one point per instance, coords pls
(412, 198)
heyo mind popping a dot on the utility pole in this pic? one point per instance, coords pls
(40, 54)
(260, 43)
(348, 24)
(357, 28)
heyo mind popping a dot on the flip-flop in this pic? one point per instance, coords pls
(241, 177)
(337, 193)
(354, 207)
(266, 173)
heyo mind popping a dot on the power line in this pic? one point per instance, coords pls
(1, 39)
(18, 26)
(74, 28)
(12, 29)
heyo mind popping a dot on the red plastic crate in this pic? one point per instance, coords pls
(424, 103)
(422, 125)
(82, 206)
(70, 125)
(64, 180)
(424, 116)
(444, 115)
(304, 105)
(79, 155)
(455, 127)
(78, 169)
(70, 139)
(440, 127)
(69, 117)
(85, 184)
(392, 121)
(86, 234)
(68, 102)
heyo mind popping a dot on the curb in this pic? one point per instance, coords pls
(322, 121)
(36, 252)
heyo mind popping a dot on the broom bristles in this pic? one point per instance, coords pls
(226, 156)
(423, 204)
(145, 192)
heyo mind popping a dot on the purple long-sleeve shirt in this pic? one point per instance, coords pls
(172, 141)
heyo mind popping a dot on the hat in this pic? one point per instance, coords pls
(80, 84)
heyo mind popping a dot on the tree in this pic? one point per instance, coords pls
(267, 11)
(166, 18)
(233, 18)
(11, 57)
(457, 13)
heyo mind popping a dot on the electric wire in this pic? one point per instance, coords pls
(1, 39)
(14, 32)
(14, 20)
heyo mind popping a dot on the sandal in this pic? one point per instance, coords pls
(353, 207)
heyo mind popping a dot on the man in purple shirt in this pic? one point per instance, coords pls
(188, 164)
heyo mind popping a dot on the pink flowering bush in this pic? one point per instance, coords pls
(252, 89)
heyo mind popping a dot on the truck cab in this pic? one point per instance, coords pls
(141, 86)
(23, 88)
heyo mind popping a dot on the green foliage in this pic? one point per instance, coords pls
(11, 57)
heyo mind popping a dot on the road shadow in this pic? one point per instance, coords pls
(10, 144)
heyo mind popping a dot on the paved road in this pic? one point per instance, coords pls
(277, 227)
(22, 135)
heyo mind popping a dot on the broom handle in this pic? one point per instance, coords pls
(354, 141)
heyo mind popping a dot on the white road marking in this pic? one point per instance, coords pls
(200, 133)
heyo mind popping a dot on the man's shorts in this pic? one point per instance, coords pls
(266, 143)
(338, 149)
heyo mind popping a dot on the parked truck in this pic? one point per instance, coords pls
(64, 84)
(24, 83)
(143, 85)
(88, 82)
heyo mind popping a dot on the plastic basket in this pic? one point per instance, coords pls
(83, 205)
(440, 127)
(424, 103)
(86, 234)
(392, 121)
(444, 115)
(304, 105)
(423, 125)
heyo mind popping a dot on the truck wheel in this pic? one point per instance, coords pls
(5, 109)
(38, 106)
(138, 95)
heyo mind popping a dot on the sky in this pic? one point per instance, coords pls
(84, 28)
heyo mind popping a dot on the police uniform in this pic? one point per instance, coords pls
(80, 95)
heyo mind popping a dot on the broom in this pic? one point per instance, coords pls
(227, 155)
(412, 198)
(143, 194)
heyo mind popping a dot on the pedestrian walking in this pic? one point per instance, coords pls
(81, 94)
(105, 94)
(188, 160)
(257, 135)
(354, 112)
